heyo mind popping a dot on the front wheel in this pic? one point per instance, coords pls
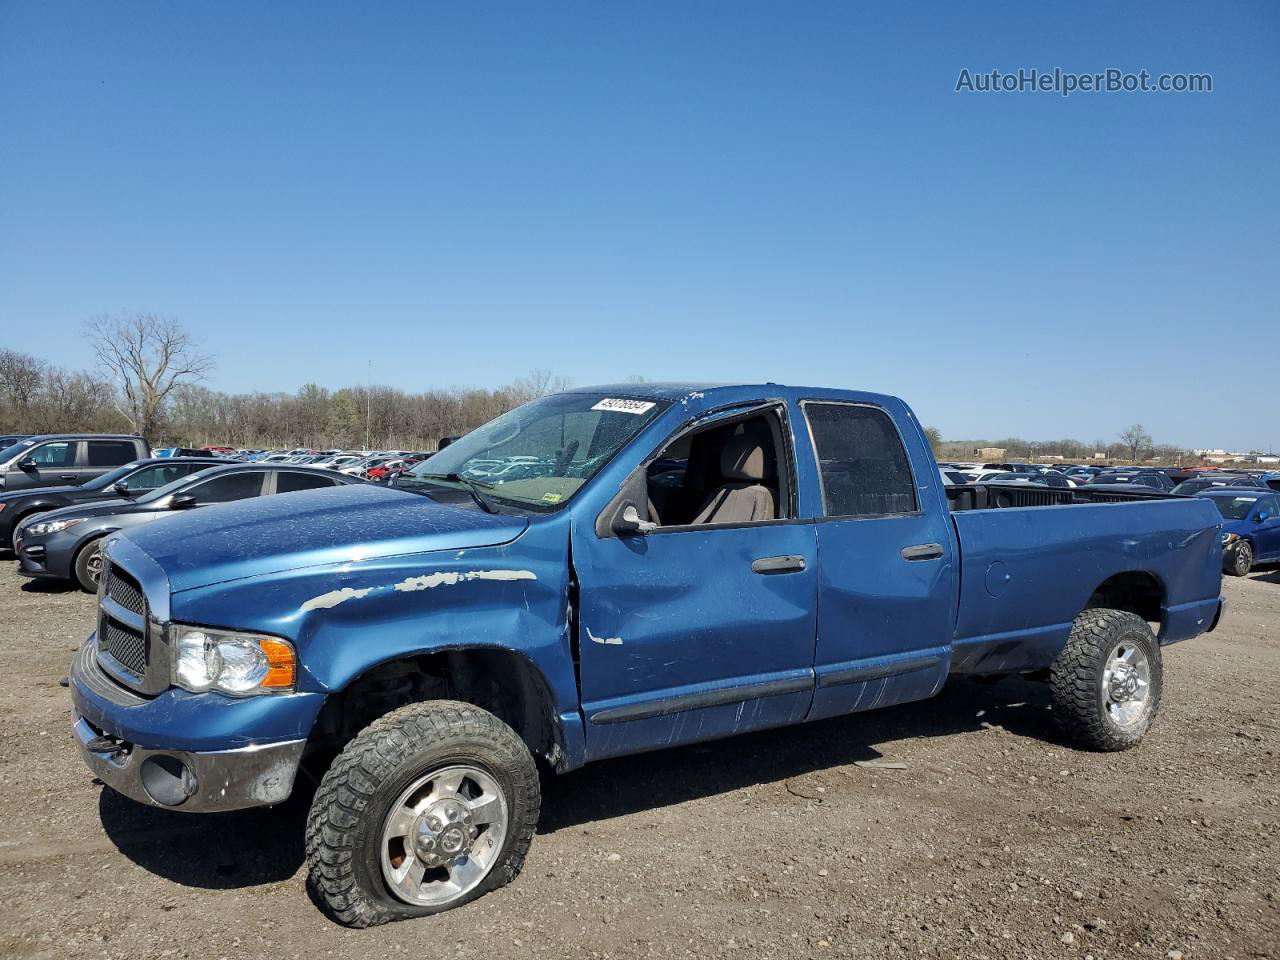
(88, 566)
(1106, 683)
(1240, 560)
(426, 809)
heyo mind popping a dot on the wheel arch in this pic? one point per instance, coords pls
(503, 681)
(1138, 592)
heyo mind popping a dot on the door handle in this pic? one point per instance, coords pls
(66, 476)
(787, 564)
(922, 551)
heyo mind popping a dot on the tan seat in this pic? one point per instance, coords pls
(746, 497)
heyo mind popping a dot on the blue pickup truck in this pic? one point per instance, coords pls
(669, 563)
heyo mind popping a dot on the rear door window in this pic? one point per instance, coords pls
(232, 486)
(290, 482)
(863, 465)
(110, 453)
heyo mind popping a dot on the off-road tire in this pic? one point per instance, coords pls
(1076, 679)
(80, 567)
(1240, 560)
(344, 826)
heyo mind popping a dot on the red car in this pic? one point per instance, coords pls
(390, 468)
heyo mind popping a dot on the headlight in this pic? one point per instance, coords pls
(1230, 538)
(237, 664)
(53, 526)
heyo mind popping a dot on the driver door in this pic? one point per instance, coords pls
(47, 464)
(695, 631)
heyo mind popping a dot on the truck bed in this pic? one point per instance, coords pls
(1032, 558)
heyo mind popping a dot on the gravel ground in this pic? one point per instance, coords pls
(996, 839)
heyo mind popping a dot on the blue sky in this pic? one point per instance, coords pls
(460, 193)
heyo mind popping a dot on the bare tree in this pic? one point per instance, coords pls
(148, 357)
(1136, 440)
(934, 436)
(20, 378)
(539, 383)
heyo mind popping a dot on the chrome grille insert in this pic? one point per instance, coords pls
(126, 646)
(124, 590)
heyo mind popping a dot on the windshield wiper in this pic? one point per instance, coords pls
(473, 487)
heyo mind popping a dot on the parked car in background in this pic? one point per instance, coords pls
(1027, 468)
(346, 460)
(10, 439)
(1133, 478)
(123, 483)
(391, 467)
(1052, 478)
(1250, 526)
(66, 544)
(1081, 474)
(361, 467)
(186, 452)
(1001, 476)
(1191, 487)
(67, 459)
(953, 476)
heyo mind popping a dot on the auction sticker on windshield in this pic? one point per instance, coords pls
(624, 406)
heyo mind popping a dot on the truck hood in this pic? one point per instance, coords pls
(290, 531)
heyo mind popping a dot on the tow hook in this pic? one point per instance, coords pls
(107, 745)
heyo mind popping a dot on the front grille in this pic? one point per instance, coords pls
(124, 590)
(126, 646)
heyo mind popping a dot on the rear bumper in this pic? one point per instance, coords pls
(1188, 620)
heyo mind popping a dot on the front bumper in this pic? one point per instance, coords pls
(171, 750)
(44, 559)
(194, 782)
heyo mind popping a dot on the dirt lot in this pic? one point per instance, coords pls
(996, 840)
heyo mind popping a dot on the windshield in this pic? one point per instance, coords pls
(107, 479)
(8, 453)
(1234, 508)
(541, 452)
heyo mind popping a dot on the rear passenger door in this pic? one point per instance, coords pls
(886, 570)
(101, 456)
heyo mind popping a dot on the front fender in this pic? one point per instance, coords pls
(346, 618)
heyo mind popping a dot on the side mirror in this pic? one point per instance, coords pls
(121, 487)
(627, 520)
(26, 463)
(182, 501)
(1263, 516)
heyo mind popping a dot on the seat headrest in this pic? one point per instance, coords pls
(743, 458)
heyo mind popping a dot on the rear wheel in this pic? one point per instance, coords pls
(426, 809)
(1107, 681)
(1240, 560)
(88, 566)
